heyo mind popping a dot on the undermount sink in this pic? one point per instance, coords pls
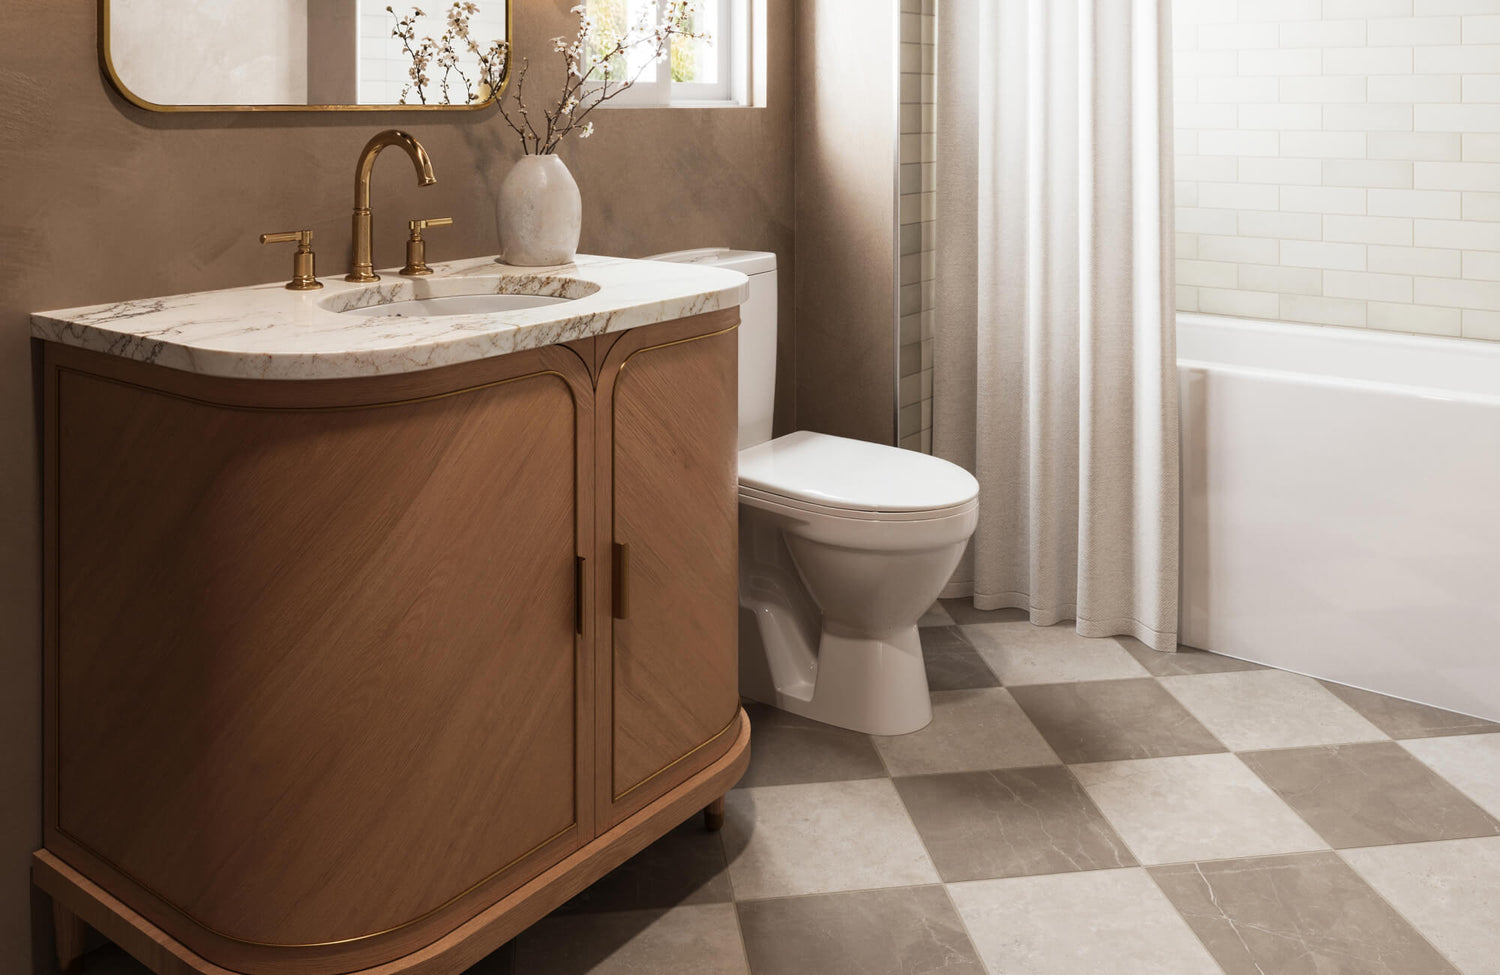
(455, 305)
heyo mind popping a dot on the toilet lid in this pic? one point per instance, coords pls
(839, 473)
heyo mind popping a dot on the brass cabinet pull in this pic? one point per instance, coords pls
(580, 579)
(622, 580)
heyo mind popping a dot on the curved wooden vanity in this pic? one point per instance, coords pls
(368, 674)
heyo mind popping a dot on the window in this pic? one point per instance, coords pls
(724, 68)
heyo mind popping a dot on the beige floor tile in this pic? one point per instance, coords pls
(1104, 922)
(1021, 653)
(1113, 720)
(1450, 890)
(970, 730)
(816, 838)
(1407, 719)
(1185, 660)
(1470, 762)
(1194, 807)
(696, 940)
(936, 616)
(1269, 709)
(789, 749)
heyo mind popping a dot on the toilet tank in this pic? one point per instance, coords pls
(757, 333)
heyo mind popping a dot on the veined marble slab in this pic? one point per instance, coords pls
(268, 332)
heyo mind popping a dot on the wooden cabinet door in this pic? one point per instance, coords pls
(667, 686)
(340, 694)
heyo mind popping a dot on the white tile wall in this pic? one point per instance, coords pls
(918, 204)
(1338, 162)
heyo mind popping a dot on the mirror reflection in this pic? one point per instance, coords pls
(177, 54)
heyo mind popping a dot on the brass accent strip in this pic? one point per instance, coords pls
(107, 62)
(621, 556)
(613, 418)
(579, 575)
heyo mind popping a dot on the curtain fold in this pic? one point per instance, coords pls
(1054, 352)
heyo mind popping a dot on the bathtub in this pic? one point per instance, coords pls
(1341, 506)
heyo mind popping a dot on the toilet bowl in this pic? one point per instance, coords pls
(844, 545)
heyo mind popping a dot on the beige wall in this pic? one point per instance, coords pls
(101, 201)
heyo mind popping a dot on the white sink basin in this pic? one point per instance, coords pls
(455, 305)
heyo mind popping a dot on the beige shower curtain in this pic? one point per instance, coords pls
(1054, 352)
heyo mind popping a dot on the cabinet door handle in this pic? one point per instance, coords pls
(579, 581)
(622, 580)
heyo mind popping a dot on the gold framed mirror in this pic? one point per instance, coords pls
(305, 55)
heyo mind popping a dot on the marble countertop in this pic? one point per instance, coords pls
(268, 332)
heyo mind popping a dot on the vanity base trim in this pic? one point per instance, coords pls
(461, 948)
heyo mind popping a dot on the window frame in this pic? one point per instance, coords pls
(739, 30)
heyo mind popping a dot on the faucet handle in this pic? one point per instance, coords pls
(304, 274)
(416, 247)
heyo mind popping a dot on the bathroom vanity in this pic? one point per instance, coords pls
(371, 639)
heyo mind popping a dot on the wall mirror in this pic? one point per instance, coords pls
(303, 55)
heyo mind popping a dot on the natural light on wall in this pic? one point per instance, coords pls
(726, 67)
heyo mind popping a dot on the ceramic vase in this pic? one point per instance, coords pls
(540, 213)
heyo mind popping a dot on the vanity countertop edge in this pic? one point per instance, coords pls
(268, 332)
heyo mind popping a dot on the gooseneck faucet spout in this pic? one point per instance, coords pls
(362, 268)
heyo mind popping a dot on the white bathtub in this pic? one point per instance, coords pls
(1341, 506)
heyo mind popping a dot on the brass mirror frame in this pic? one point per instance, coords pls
(106, 60)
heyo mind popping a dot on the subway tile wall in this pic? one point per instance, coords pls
(917, 194)
(1338, 162)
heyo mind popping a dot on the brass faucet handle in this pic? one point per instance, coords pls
(416, 246)
(304, 271)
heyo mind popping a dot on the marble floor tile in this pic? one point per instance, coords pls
(1471, 763)
(787, 749)
(1108, 721)
(1194, 807)
(900, 931)
(1010, 823)
(702, 939)
(1407, 719)
(1369, 794)
(1270, 709)
(1103, 922)
(1449, 890)
(1304, 914)
(970, 730)
(937, 615)
(1186, 660)
(687, 866)
(1021, 653)
(963, 611)
(952, 662)
(813, 839)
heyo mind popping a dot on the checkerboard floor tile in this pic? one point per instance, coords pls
(1076, 806)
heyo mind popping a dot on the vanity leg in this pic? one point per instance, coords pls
(713, 815)
(70, 934)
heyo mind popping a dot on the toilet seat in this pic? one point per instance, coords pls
(840, 477)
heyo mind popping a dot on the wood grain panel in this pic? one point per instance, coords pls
(316, 674)
(672, 497)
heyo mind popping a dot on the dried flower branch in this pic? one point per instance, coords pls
(597, 60)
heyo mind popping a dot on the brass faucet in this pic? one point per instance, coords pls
(362, 268)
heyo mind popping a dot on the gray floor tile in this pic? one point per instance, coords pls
(1405, 719)
(687, 866)
(901, 931)
(936, 616)
(1450, 891)
(963, 611)
(786, 840)
(1186, 660)
(1270, 709)
(701, 939)
(1469, 762)
(1304, 914)
(1369, 794)
(1010, 823)
(1219, 809)
(952, 662)
(1021, 653)
(787, 749)
(1108, 721)
(970, 730)
(1102, 922)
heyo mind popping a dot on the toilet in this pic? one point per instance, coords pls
(844, 545)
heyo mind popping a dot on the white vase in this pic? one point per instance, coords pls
(540, 213)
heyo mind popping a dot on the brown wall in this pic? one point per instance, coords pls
(845, 141)
(101, 201)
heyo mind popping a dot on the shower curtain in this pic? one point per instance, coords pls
(1054, 353)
